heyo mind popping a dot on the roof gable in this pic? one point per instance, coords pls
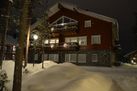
(63, 20)
(55, 8)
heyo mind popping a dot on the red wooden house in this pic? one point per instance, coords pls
(93, 36)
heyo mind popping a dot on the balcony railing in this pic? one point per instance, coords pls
(72, 27)
(59, 47)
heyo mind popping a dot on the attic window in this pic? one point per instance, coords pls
(87, 23)
(63, 20)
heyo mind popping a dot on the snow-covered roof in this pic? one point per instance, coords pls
(55, 8)
(130, 53)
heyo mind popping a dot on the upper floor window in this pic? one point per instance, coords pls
(87, 23)
(81, 40)
(95, 39)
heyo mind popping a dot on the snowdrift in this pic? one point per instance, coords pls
(68, 77)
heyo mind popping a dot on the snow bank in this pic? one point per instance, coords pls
(68, 77)
(31, 69)
(8, 66)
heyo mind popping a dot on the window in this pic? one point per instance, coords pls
(63, 20)
(54, 57)
(71, 39)
(96, 39)
(81, 58)
(71, 57)
(94, 58)
(51, 41)
(82, 40)
(87, 24)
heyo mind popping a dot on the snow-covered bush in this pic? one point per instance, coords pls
(3, 79)
(3, 75)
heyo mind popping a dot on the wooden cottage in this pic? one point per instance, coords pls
(80, 36)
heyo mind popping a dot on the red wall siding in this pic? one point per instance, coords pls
(100, 27)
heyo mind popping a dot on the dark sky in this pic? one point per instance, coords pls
(122, 10)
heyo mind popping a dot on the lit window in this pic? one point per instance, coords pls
(51, 41)
(74, 39)
(82, 40)
(96, 39)
(14, 48)
(87, 23)
(46, 41)
(71, 39)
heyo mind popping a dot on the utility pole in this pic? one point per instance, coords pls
(17, 81)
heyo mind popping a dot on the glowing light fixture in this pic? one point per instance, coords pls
(52, 29)
(35, 36)
(134, 58)
(52, 46)
(65, 45)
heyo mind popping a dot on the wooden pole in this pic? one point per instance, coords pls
(17, 81)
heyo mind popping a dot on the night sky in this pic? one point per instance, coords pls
(122, 10)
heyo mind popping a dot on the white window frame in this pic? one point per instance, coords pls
(82, 39)
(77, 39)
(48, 41)
(87, 23)
(95, 39)
(94, 57)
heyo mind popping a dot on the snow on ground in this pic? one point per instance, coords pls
(125, 76)
(29, 71)
(69, 77)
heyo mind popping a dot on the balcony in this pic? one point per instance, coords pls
(58, 47)
(64, 27)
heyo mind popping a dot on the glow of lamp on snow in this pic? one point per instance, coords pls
(52, 46)
(35, 36)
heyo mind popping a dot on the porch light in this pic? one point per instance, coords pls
(35, 36)
(62, 24)
(134, 58)
(65, 45)
(46, 41)
(52, 29)
(52, 45)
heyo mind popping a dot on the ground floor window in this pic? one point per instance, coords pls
(81, 58)
(71, 58)
(94, 57)
(36, 57)
(54, 57)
